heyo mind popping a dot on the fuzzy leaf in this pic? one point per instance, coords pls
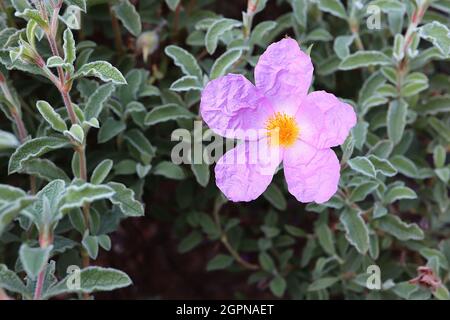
(224, 63)
(438, 34)
(101, 171)
(217, 29)
(125, 199)
(78, 3)
(34, 148)
(97, 100)
(34, 259)
(103, 70)
(166, 113)
(362, 165)
(184, 60)
(399, 229)
(186, 83)
(126, 12)
(335, 7)
(356, 230)
(362, 59)
(76, 196)
(91, 279)
(399, 192)
(396, 120)
(69, 47)
(51, 116)
(44, 169)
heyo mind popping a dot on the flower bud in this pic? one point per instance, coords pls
(147, 43)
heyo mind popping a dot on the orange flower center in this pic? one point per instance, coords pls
(282, 130)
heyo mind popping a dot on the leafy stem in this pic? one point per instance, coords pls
(226, 243)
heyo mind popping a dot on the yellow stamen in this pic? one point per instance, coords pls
(282, 130)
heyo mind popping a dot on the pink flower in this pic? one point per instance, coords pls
(291, 126)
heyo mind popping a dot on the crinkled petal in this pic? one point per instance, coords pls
(324, 120)
(232, 107)
(311, 174)
(284, 75)
(245, 172)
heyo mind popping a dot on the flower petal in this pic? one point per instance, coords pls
(324, 120)
(284, 75)
(311, 174)
(231, 105)
(245, 172)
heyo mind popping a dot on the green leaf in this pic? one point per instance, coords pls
(438, 34)
(75, 134)
(97, 100)
(435, 105)
(34, 148)
(363, 190)
(335, 7)
(322, 283)
(266, 262)
(126, 12)
(11, 282)
(261, 30)
(186, 83)
(172, 4)
(201, 173)
(216, 30)
(34, 259)
(219, 262)
(139, 141)
(222, 64)
(169, 170)
(76, 196)
(389, 5)
(383, 166)
(342, 46)
(10, 193)
(399, 45)
(356, 231)
(300, 8)
(326, 239)
(103, 70)
(10, 209)
(439, 156)
(362, 165)
(32, 14)
(399, 229)
(274, 195)
(51, 116)
(398, 193)
(110, 129)
(101, 171)
(8, 140)
(185, 61)
(44, 169)
(125, 199)
(190, 242)
(278, 286)
(396, 120)
(364, 59)
(167, 112)
(404, 166)
(90, 243)
(69, 47)
(91, 279)
(79, 3)
(104, 241)
(441, 293)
